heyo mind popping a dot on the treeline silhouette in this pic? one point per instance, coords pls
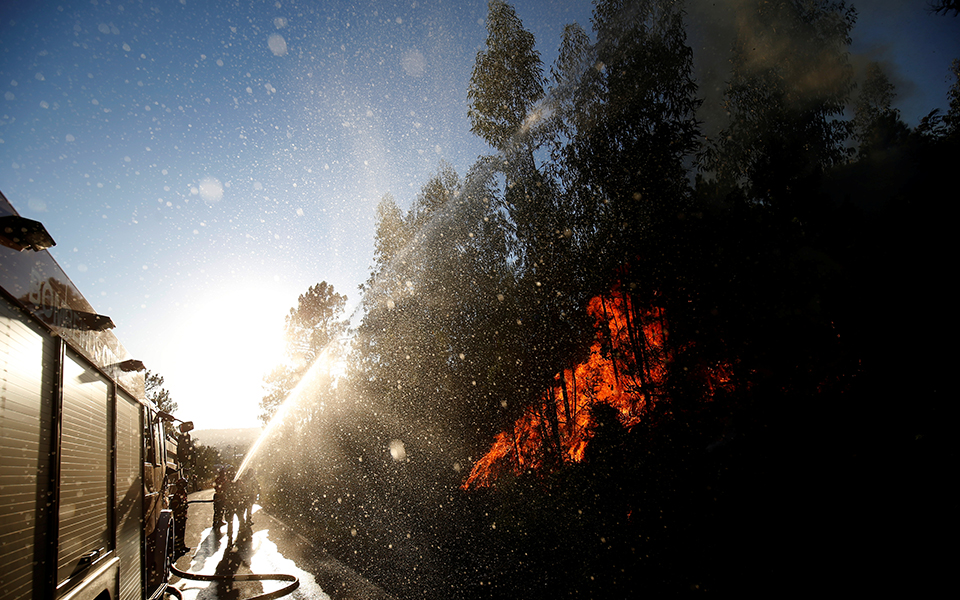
(783, 274)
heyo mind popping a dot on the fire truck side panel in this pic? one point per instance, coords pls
(28, 361)
(82, 455)
(129, 496)
(84, 468)
(153, 479)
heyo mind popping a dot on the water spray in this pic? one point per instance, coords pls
(538, 118)
(312, 375)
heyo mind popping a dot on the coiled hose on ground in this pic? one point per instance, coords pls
(295, 583)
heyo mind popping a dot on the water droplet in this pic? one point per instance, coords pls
(277, 44)
(397, 450)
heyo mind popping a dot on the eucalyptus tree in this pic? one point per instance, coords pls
(624, 145)
(402, 345)
(504, 96)
(788, 89)
(536, 312)
(637, 152)
(953, 97)
(392, 245)
(876, 125)
(507, 79)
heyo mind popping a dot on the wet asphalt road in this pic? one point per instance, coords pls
(268, 547)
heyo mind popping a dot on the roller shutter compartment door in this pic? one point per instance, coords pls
(129, 496)
(27, 366)
(84, 466)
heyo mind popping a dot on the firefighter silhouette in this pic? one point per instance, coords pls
(233, 502)
(218, 496)
(178, 504)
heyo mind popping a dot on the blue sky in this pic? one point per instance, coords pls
(200, 164)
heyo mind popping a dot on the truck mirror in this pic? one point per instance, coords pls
(186, 426)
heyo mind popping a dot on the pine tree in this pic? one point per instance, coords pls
(156, 393)
(313, 325)
(159, 395)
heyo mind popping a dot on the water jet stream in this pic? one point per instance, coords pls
(312, 375)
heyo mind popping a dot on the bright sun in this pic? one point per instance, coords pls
(227, 342)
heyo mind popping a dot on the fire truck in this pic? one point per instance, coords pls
(84, 460)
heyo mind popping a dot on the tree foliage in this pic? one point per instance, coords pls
(876, 125)
(156, 393)
(201, 465)
(952, 117)
(159, 395)
(310, 327)
(944, 7)
(507, 78)
(787, 93)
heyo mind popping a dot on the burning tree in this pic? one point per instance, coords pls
(626, 369)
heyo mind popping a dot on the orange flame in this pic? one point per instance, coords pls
(558, 426)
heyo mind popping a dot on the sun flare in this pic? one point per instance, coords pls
(229, 339)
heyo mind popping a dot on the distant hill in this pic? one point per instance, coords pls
(232, 441)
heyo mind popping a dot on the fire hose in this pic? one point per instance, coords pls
(295, 583)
